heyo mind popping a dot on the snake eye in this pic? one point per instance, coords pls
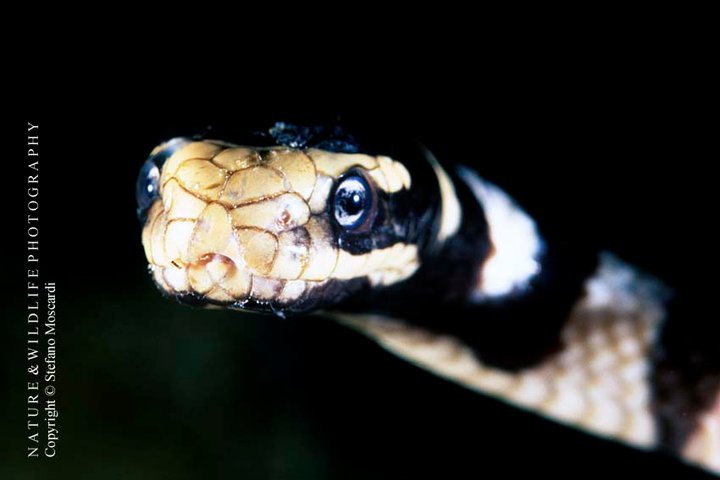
(354, 203)
(147, 187)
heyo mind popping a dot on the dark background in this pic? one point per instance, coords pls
(150, 389)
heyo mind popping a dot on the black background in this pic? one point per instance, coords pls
(149, 389)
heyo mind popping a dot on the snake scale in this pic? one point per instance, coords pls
(439, 267)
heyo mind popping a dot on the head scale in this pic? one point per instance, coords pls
(277, 228)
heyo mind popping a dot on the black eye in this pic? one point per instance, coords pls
(148, 182)
(146, 188)
(353, 202)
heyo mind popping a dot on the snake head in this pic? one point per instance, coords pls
(273, 229)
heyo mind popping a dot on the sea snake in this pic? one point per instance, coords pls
(437, 265)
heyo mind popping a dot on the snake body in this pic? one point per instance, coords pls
(438, 266)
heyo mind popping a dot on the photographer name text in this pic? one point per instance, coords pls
(42, 410)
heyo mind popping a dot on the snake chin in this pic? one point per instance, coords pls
(246, 305)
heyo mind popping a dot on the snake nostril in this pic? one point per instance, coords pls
(218, 266)
(284, 220)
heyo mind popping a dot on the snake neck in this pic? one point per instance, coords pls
(488, 272)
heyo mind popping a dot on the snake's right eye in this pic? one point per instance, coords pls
(354, 203)
(147, 187)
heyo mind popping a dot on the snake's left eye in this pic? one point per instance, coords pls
(147, 187)
(354, 203)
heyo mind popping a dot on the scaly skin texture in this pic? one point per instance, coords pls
(596, 381)
(600, 378)
(234, 224)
